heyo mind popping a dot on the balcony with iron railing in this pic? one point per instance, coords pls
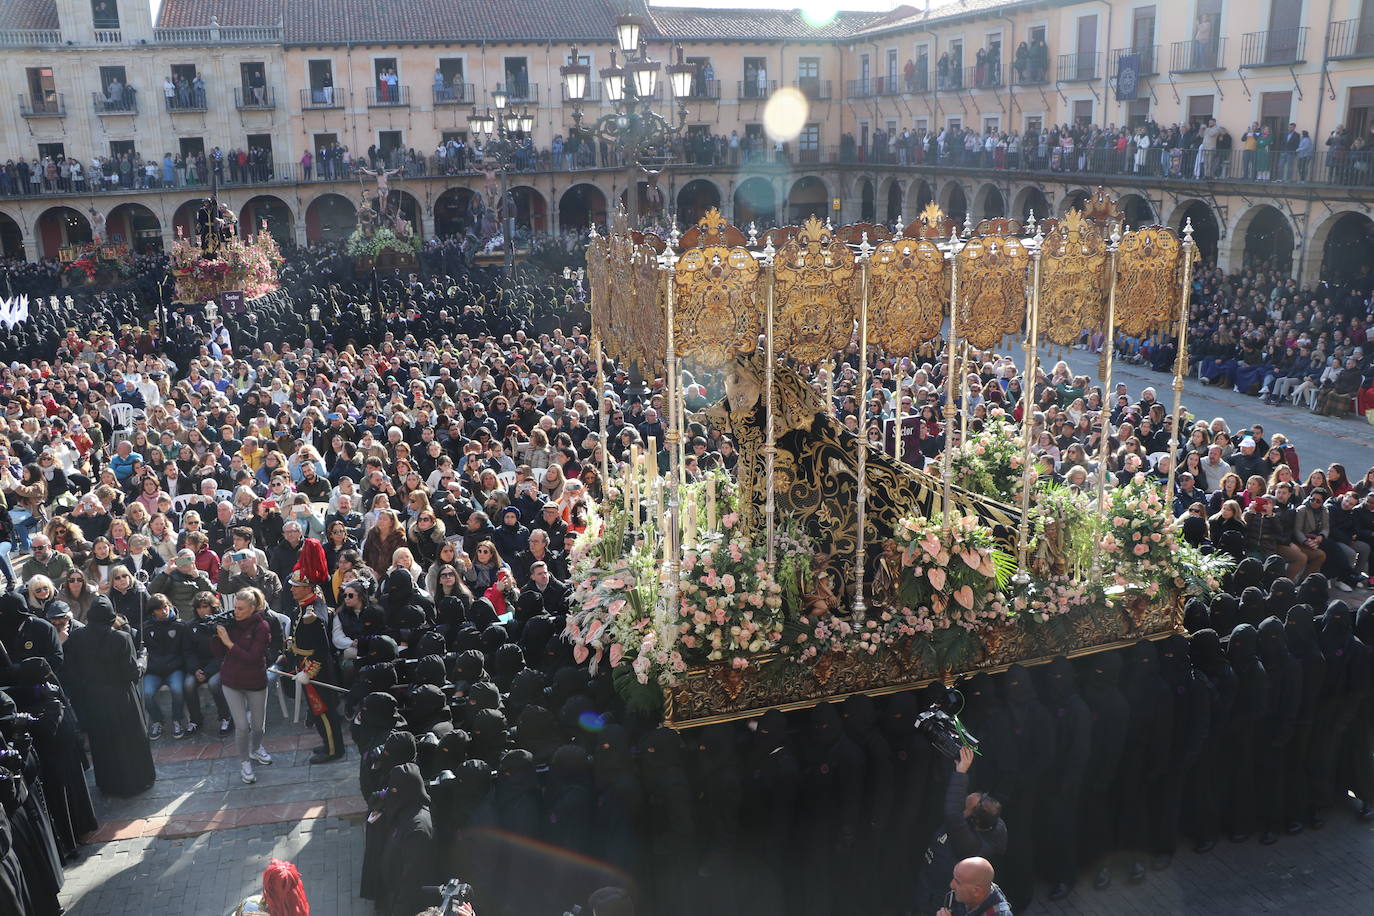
(385, 96)
(323, 97)
(813, 88)
(191, 101)
(703, 91)
(1350, 38)
(1082, 67)
(983, 77)
(454, 94)
(859, 89)
(1149, 59)
(755, 90)
(259, 98)
(1197, 55)
(126, 104)
(52, 105)
(1274, 48)
(522, 92)
(1029, 71)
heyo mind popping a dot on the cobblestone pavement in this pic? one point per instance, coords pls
(196, 842)
(1330, 870)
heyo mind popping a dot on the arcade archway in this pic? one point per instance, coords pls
(11, 238)
(755, 203)
(868, 203)
(453, 212)
(531, 210)
(1267, 236)
(330, 218)
(1206, 229)
(581, 207)
(1137, 211)
(808, 197)
(1033, 203)
(136, 226)
(1348, 247)
(695, 198)
(270, 210)
(61, 227)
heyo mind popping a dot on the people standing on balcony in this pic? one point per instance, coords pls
(1306, 149)
(114, 94)
(942, 71)
(1263, 154)
(169, 91)
(1039, 59)
(306, 162)
(1336, 146)
(198, 91)
(1207, 154)
(1249, 146)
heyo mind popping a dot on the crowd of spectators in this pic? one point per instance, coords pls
(438, 435)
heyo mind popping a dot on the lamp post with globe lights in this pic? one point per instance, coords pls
(633, 127)
(500, 137)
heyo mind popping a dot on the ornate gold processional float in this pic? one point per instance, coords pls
(826, 566)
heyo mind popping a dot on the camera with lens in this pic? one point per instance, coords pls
(454, 893)
(940, 726)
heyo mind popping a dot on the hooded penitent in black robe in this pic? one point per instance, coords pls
(1359, 750)
(1145, 759)
(772, 779)
(1280, 721)
(397, 750)
(31, 664)
(832, 804)
(1245, 732)
(670, 819)
(717, 796)
(1033, 732)
(1188, 692)
(1063, 782)
(618, 815)
(1337, 708)
(409, 861)
(860, 717)
(1101, 689)
(31, 830)
(1301, 632)
(107, 674)
(1203, 789)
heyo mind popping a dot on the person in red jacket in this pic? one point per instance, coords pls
(242, 650)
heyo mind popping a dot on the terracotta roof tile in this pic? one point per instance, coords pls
(28, 14)
(758, 24)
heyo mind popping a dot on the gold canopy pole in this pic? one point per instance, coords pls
(1031, 342)
(952, 345)
(859, 608)
(1108, 352)
(770, 448)
(671, 537)
(1181, 359)
(963, 393)
(603, 417)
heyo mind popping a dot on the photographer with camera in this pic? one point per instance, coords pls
(202, 665)
(972, 826)
(242, 650)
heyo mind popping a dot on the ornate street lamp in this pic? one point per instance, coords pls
(500, 136)
(633, 128)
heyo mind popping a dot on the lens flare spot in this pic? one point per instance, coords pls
(818, 13)
(591, 721)
(785, 115)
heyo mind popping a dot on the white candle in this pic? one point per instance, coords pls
(690, 517)
(710, 503)
(660, 514)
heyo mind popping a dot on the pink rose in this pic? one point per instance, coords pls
(1141, 549)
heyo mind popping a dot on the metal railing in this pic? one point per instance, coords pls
(454, 94)
(260, 98)
(231, 34)
(29, 38)
(983, 77)
(949, 79)
(523, 92)
(858, 89)
(1350, 38)
(703, 91)
(753, 89)
(1080, 67)
(324, 97)
(1149, 59)
(1197, 55)
(1029, 72)
(127, 105)
(194, 101)
(1274, 48)
(812, 87)
(387, 96)
(53, 106)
